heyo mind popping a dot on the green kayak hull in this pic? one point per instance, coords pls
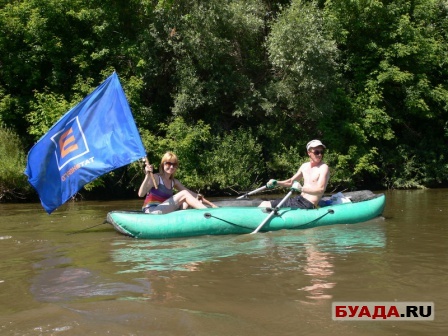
(240, 220)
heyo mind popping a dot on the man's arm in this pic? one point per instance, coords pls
(297, 177)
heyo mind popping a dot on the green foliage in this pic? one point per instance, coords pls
(57, 46)
(13, 183)
(235, 162)
(218, 45)
(47, 109)
(406, 170)
(393, 54)
(223, 83)
(208, 161)
(349, 170)
(189, 142)
(304, 58)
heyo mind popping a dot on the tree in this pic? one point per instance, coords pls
(396, 85)
(13, 184)
(304, 59)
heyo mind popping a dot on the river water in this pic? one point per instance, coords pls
(57, 281)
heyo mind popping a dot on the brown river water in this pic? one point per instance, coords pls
(57, 281)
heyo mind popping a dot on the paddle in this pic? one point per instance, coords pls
(295, 187)
(252, 192)
(273, 184)
(150, 173)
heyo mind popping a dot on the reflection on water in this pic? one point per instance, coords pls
(100, 282)
(71, 284)
(319, 267)
(60, 282)
(186, 254)
(308, 251)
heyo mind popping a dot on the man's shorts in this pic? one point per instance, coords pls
(299, 202)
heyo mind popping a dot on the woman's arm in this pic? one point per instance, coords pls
(146, 185)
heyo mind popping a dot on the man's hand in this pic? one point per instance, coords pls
(271, 184)
(296, 186)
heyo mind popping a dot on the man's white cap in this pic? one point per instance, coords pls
(314, 143)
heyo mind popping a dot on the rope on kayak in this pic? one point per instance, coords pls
(329, 211)
(91, 227)
(209, 215)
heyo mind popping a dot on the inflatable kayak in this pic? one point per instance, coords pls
(357, 207)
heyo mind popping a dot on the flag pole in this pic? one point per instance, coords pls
(151, 174)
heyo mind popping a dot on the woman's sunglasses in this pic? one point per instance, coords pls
(171, 164)
(318, 152)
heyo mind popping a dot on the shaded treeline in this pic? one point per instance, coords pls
(237, 88)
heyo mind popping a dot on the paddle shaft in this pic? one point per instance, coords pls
(272, 213)
(252, 192)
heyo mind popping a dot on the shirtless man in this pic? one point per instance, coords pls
(315, 175)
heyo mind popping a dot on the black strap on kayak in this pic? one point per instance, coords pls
(329, 211)
(91, 227)
(209, 215)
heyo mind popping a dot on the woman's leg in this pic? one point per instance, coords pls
(184, 197)
(182, 200)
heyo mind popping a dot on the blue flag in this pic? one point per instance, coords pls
(95, 137)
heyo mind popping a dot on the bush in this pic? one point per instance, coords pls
(13, 183)
(209, 161)
(236, 162)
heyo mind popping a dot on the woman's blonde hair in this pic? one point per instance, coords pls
(168, 157)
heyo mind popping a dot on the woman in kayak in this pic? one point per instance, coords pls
(160, 197)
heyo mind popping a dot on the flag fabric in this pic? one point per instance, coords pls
(95, 137)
